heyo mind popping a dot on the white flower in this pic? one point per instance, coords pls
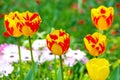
(76, 54)
(69, 61)
(36, 55)
(46, 55)
(72, 56)
(84, 60)
(37, 44)
(5, 68)
(10, 54)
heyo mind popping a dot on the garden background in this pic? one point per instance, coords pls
(73, 16)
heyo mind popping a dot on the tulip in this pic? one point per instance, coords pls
(12, 24)
(98, 69)
(102, 17)
(30, 23)
(12, 21)
(95, 43)
(58, 42)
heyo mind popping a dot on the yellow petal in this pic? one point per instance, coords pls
(102, 24)
(27, 31)
(56, 49)
(98, 68)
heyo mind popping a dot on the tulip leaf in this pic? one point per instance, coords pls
(29, 75)
(59, 76)
(115, 74)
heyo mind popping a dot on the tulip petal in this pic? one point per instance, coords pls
(56, 49)
(95, 44)
(11, 22)
(58, 42)
(102, 17)
(98, 68)
(30, 22)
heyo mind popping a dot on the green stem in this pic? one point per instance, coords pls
(55, 68)
(4, 78)
(39, 71)
(20, 60)
(33, 69)
(82, 72)
(61, 67)
(79, 4)
(67, 69)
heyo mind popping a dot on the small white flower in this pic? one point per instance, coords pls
(72, 56)
(37, 44)
(84, 60)
(69, 61)
(10, 54)
(46, 55)
(26, 56)
(76, 54)
(5, 68)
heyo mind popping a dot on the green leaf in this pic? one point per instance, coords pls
(115, 74)
(29, 75)
(59, 76)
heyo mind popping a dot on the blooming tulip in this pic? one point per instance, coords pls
(58, 42)
(12, 22)
(102, 17)
(95, 43)
(30, 23)
(98, 69)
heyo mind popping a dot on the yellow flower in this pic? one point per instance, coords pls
(102, 17)
(30, 23)
(98, 69)
(12, 21)
(58, 42)
(95, 43)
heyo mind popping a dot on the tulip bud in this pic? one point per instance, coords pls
(58, 42)
(30, 23)
(12, 21)
(102, 17)
(98, 69)
(95, 43)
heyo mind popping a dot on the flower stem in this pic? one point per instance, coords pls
(79, 4)
(55, 68)
(33, 69)
(20, 60)
(61, 67)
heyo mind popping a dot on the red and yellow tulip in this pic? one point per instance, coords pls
(58, 42)
(25, 23)
(95, 43)
(98, 69)
(102, 17)
(12, 21)
(30, 23)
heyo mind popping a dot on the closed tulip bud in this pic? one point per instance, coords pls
(30, 23)
(12, 21)
(98, 69)
(58, 42)
(95, 43)
(102, 17)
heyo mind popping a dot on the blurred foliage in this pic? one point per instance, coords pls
(73, 16)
